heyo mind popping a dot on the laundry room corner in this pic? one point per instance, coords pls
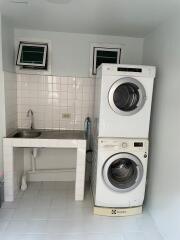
(160, 48)
(89, 94)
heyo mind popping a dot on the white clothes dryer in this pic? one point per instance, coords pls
(119, 172)
(123, 100)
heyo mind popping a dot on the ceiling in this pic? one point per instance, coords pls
(134, 18)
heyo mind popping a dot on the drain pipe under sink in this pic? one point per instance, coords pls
(34, 153)
(33, 159)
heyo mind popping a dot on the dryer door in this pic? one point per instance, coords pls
(122, 172)
(127, 96)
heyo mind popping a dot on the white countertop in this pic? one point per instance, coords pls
(54, 134)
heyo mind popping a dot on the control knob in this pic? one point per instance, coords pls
(124, 145)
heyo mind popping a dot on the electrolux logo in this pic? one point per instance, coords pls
(122, 212)
(113, 212)
(117, 212)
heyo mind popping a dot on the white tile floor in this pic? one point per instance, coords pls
(47, 211)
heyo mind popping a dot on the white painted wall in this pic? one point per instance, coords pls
(8, 96)
(10, 82)
(8, 50)
(71, 51)
(10, 88)
(56, 159)
(162, 48)
(2, 102)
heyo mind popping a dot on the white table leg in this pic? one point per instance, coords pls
(8, 173)
(80, 171)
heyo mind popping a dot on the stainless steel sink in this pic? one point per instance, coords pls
(27, 134)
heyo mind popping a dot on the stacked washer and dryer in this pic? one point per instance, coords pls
(122, 115)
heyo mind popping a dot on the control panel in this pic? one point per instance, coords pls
(128, 70)
(123, 144)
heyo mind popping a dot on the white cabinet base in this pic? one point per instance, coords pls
(9, 144)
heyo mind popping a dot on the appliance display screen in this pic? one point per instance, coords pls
(138, 144)
(123, 69)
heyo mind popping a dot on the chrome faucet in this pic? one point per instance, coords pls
(30, 115)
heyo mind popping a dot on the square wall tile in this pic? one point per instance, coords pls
(50, 97)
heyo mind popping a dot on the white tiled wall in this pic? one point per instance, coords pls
(10, 85)
(52, 97)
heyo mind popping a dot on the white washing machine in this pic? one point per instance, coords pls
(123, 100)
(119, 172)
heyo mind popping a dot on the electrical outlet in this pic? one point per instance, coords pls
(66, 115)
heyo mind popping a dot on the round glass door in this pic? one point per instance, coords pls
(123, 172)
(127, 96)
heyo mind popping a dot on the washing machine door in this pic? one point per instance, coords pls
(122, 172)
(127, 96)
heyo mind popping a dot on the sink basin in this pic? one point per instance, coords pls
(27, 134)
